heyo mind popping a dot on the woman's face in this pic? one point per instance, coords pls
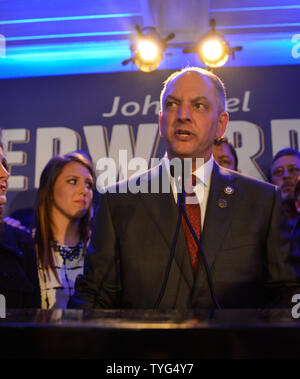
(73, 191)
(4, 174)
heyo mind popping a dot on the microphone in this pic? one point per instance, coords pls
(201, 255)
(180, 200)
(170, 260)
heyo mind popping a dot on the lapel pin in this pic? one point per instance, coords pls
(222, 203)
(228, 190)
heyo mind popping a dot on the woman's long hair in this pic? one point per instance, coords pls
(44, 203)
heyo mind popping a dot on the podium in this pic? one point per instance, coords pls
(148, 334)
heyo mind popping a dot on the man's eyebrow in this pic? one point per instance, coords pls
(200, 98)
(193, 100)
(171, 97)
(287, 166)
(224, 156)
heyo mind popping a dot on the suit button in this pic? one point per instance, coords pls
(222, 203)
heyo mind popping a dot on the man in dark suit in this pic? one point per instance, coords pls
(19, 284)
(239, 221)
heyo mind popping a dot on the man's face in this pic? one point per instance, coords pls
(223, 156)
(285, 171)
(189, 121)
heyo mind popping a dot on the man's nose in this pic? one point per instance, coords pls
(286, 173)
(184, 112)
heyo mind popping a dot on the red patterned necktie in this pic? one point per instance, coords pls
(194, 215)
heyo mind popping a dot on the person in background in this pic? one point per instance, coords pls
(224, 153)
(63, 216)
(19, 282)
(285, 170)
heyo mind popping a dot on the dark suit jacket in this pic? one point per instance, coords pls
(18, 269)
(246, 243)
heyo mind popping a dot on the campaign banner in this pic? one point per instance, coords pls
(108, 113)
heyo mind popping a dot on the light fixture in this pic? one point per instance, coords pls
(147, 48)
(212, 49)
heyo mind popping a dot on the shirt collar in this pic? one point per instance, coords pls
(203, 172)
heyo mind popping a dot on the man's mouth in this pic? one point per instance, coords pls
(183, 133)
(287, 187)
(81, 202)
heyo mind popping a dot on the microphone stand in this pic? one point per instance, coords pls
(172, 251)
(200, 253)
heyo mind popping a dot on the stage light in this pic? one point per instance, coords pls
(212, 49)
(147, 49)
(214, 52)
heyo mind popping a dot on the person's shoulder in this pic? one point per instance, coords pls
(16, 236)
(15, 243)
(16, 231)
(243, 179)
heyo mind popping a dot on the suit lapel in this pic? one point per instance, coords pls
(163, 210)
(221, 205)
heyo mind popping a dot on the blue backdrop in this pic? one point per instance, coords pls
(103, 113)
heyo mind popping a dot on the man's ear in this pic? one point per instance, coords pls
(222, 124)
(297, 205)
(159, 123)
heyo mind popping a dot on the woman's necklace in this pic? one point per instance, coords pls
(67, 252)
